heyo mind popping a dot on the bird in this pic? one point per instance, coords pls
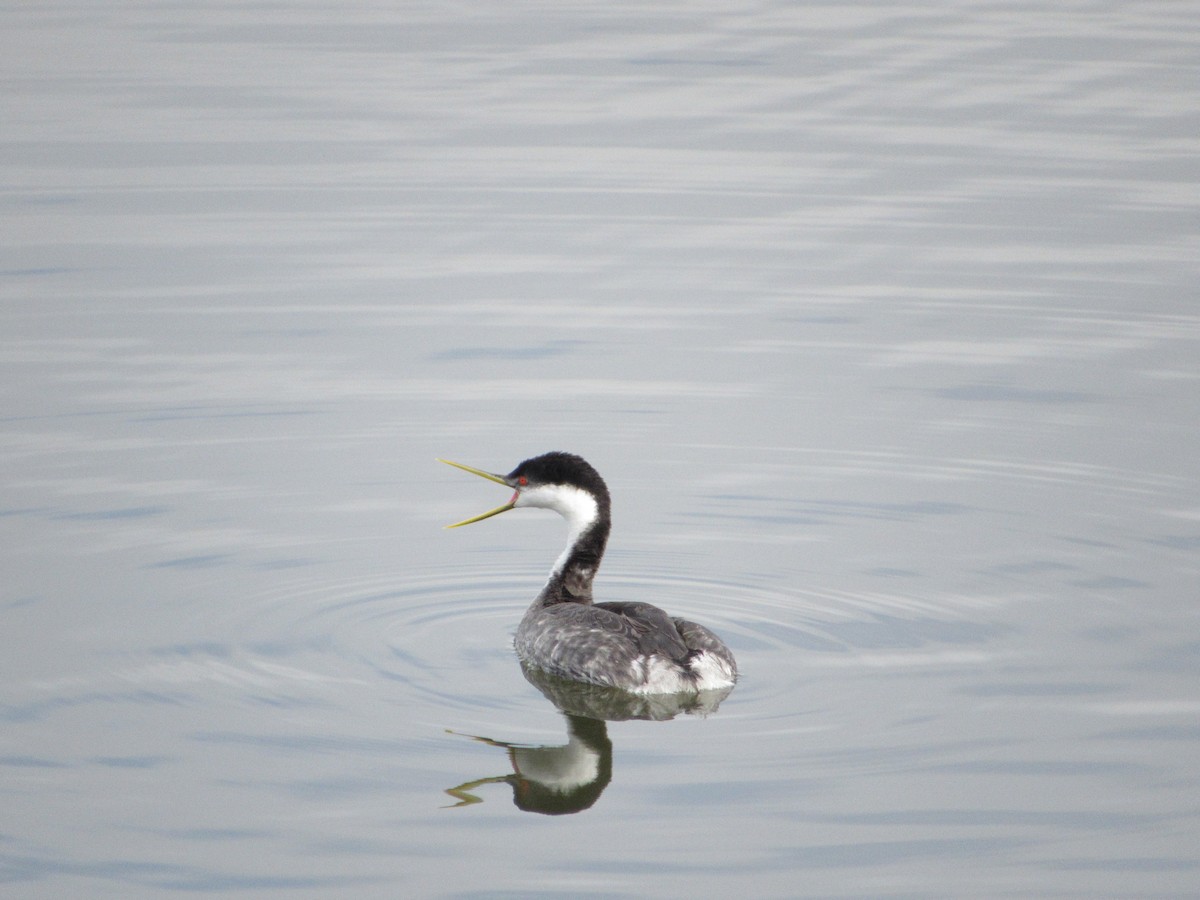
(631, 646)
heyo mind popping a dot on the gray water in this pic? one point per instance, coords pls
(879, 319)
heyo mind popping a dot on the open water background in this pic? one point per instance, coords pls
(879, 319)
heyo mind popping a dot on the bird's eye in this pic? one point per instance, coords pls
(522, 481)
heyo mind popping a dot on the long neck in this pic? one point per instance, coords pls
(571, 578)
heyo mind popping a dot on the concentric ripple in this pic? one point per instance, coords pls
(785, 640)
(438, 640)
(443, 638)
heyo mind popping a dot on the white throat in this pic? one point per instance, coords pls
(577, 506)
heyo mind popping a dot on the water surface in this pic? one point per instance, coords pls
(878, 320)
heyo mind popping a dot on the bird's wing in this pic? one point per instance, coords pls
(647, 626)
(697, 637)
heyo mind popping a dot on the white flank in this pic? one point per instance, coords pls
(712, 672)
(655, 675)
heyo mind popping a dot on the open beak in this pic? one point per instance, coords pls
(499, 479)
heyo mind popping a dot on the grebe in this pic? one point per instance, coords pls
(632, 646)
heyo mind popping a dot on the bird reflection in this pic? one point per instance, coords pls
(559, 779)
(552, 780)
(597, 701)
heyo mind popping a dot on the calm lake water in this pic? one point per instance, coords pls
(880, 320)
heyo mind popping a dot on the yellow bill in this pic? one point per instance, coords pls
(499, 479)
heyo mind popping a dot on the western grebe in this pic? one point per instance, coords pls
(632, 646)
